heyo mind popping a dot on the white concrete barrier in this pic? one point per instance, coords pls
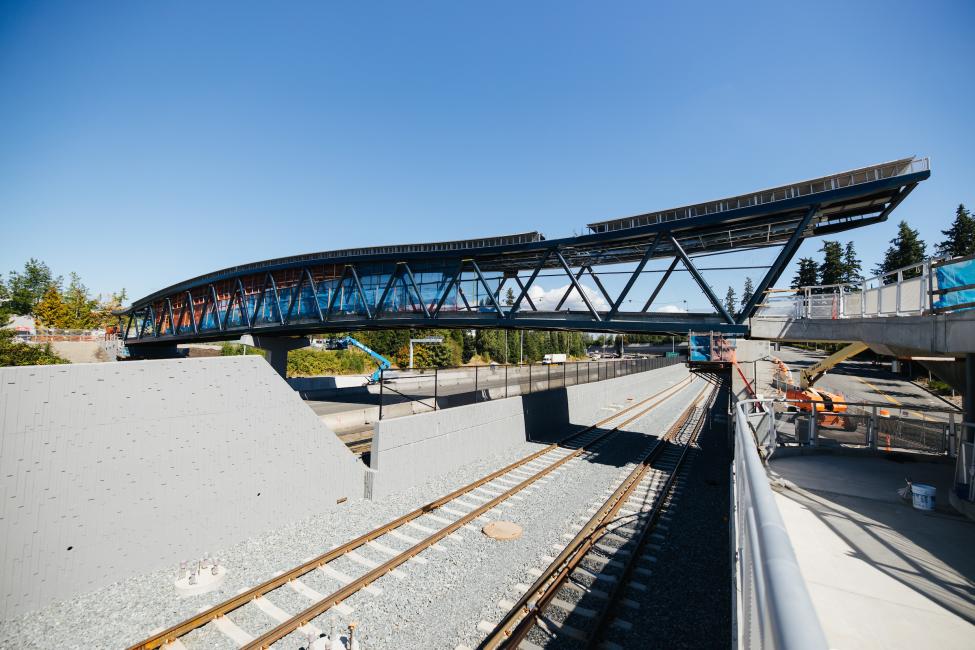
(411, 450)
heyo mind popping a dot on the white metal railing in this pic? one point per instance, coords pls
(772, 603)
(909, 291)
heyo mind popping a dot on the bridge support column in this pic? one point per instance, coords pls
(968, 398)
(277, 348)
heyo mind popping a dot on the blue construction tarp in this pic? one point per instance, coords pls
(950, 276)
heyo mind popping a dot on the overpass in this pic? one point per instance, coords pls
(459, 284)
(925, 311)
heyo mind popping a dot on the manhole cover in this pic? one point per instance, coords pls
(503, 530)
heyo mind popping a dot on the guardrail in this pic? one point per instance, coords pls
(934, 286)
(773, 607)
(448, 387)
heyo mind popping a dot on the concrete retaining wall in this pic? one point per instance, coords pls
(112, 469)
(409, 451)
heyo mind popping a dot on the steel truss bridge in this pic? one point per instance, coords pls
(459, 284)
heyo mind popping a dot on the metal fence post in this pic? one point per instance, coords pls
(529, 377)
(813, 427)
(548, 377)
(506, 380)
(475, 384)
(564, 370)
(436, 383)
(577, 373)
(872, 428)
(381, 394)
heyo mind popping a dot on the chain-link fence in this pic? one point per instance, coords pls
(403, 392)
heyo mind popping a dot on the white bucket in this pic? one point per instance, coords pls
(923, 496)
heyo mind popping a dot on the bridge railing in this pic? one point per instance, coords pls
(934, 286)
(773, 607)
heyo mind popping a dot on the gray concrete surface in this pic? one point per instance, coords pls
(410, 450)
(951, 334)
(112, 469)
(880, 574)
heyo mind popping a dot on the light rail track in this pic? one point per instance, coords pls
(609, 543)
(435, 521)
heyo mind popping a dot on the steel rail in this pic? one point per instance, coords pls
(521, 618)
(305, 617)
(174, 632)
(617, 588)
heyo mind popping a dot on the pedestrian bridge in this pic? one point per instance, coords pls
(459, 284)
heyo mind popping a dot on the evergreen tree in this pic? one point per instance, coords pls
(960, 237)
(509, 297)
(807, 274)
(26, 289)
(51, 311)
(5, 310)
(729, 300)
(81, 308)
(746, 293)
(851, 265)
(833, 269)
(905, 249)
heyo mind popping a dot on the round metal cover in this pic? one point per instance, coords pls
(503, 530)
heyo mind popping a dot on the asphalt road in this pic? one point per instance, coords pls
(862, 381)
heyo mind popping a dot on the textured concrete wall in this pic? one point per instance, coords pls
(111, 469)
(411, 450)
(951, 334)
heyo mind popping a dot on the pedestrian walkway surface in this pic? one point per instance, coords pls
(880, 573)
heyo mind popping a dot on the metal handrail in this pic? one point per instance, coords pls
(909, 290)
(774, 608)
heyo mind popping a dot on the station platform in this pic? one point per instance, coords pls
(880, 573)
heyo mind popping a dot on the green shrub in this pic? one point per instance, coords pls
(311, 363)
(16, 353)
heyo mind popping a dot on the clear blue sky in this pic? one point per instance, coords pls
(145, 143)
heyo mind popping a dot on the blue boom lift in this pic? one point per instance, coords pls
(346, 341)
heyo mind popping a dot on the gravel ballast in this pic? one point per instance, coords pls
(437, 604)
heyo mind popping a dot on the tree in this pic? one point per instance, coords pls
(747, 292)
(832, 270)
(509, 297)
(80, 306)
(807, 275)
(26, 289)
(729, 300)
(16, 353)
(960, 237)
(51, 310)
(5, 310)
(851, 265)
(905, 249)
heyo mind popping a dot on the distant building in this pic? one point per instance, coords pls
(23, 325)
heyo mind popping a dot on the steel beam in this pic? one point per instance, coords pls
(527, 286)
(568, 292)
(660, 285)
(362, 293)
(700, 281)
(335, 292)
(636, 273)
(578, 287)
(389, 285)
(781, 261)
(416, 288)
(446, 291)
(531, 303)
(484, 283)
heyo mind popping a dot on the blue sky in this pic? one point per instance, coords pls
(145, 143)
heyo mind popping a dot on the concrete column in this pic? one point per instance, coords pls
(968, 398)
(277, 348)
